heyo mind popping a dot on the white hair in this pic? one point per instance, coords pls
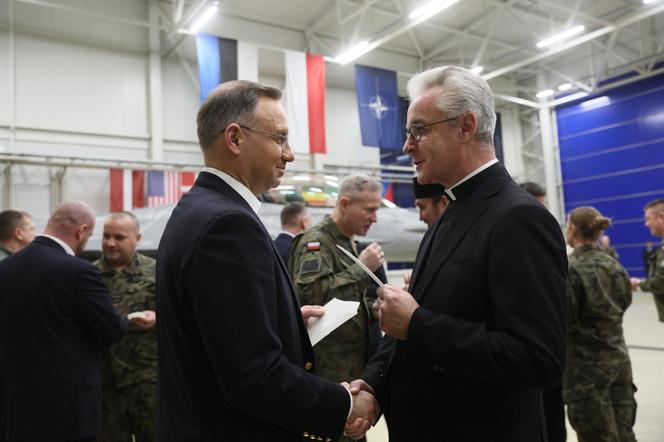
(463, 92)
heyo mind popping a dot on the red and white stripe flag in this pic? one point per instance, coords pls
(127, 189)
(305, 106)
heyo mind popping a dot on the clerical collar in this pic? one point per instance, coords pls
(450, 190)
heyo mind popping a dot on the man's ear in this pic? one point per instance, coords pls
(468, 126)
(233, 137)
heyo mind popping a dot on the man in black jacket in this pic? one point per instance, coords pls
(55, 316)
(482, 329)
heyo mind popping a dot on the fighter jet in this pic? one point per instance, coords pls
(398, 230)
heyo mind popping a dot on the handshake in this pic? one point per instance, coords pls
(365, 409)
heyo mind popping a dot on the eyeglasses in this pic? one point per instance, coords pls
(416, 130)
(281, 140)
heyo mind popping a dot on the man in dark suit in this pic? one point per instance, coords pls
(482, 328)
(55, 315)
(235, 361)
(295, 219)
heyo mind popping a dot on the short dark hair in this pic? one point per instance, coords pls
(533, 188)
(291, 212)
(124, 214)
(653, 203)
(233, 101)
(9, 220)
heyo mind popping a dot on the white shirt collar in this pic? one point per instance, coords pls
(240, 188)
(449, 190)
(62, 244)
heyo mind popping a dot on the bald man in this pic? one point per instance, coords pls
(55, 316)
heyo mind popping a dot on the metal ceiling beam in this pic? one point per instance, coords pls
(106, 17)
(635, 17)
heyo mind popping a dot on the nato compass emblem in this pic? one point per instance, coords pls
(378, 107)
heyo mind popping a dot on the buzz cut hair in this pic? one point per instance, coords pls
(358, 183)
(125, 214)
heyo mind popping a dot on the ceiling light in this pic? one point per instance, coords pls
(565, 87)
(351, 54)
(562, 36)
(545, 93)
(477, 69)
(647, 2)
(302, 178)
(207, 15)
(430, 9)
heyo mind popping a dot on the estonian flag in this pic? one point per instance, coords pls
(223, 59)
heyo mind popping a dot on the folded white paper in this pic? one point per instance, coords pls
(336, 313)
(133, 315)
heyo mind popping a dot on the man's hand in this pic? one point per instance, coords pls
(406, 280)
(372, 256)
(635, 283)
(396, 308)
(311, 311)
(364, 413)
(145, 321)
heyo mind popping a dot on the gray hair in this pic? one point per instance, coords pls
(463, 92)
(358, 183)
(230, 102)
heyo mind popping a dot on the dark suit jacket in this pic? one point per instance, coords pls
(490, 331)
(55, 315)
(232, 344)
(283, 242)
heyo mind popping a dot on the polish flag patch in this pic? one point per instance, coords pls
(313, 246)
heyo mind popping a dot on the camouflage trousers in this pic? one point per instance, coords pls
(600, 402)
(130, 411)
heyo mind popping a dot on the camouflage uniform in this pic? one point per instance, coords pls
(321, 272)
(130, 367)
(655, 281)
(611, 251)
(597, 385)
(4, 253)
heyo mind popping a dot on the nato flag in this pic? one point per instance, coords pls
(378, 105)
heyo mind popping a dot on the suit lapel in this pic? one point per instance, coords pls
(451, 233)
(422, 252)
(449, 236)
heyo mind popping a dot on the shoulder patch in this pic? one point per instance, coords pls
(311, 265)
(313, 246)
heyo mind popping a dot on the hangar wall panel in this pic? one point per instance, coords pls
(71, 87)
(612, 158)
(4, 78)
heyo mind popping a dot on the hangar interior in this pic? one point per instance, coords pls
(90, 85)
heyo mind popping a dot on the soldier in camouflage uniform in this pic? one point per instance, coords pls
(597, 384)
(322, 272)
(654, 214)
(130, 367)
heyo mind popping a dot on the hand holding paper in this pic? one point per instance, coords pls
(336, 313)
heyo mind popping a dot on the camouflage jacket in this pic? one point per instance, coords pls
(134, 359)
(322, 272)
(598, 292)
(655, 281)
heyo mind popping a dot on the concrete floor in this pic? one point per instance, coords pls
(645, 337)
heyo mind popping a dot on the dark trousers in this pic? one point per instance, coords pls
(554, 412)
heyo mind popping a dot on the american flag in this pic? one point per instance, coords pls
(167, 187)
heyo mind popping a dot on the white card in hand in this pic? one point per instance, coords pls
(133, 315)
(336, 313)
